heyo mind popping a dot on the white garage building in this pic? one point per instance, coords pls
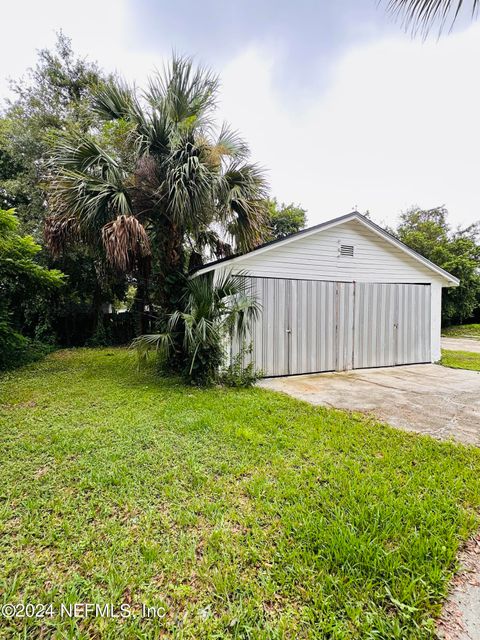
(344, 294)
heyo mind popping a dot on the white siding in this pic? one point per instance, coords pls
(316, 257)
(436, 323)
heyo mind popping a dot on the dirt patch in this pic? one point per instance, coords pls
(460, 619)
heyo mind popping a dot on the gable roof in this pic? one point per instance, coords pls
(304, 233)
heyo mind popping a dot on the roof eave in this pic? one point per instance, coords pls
(451, 280)
(275, 243)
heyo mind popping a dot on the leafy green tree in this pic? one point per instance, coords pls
(23, 282)
(183, 187)
(285, 219)
(429, 233)
(54, 97)
(10, 168)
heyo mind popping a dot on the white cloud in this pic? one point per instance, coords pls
(100, 30)
(397, 126)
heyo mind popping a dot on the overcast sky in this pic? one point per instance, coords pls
(341, 107)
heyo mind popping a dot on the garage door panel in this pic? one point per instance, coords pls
(310, 326)
(413, 322)
(374, 338)
(267, 336)
(274, 326)
(392, 324)
(295, 331)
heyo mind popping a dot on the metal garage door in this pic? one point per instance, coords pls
(392, 324)
(304, 326)
(308, 326)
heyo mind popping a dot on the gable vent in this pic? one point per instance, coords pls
(347, 250)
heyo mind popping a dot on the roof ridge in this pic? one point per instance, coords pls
(353, 215)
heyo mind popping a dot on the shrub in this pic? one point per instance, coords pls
(23, 282)
(17, 350)
(194, 339)
(239, 374)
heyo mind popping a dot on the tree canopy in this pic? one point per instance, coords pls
(54, 97)
(22, 282)
(127, 187)
(182, 187)
(456, 251)
(285, 219)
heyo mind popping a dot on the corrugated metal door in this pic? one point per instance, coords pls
(269, 334)
(308, 326)
(413, 323)
(312, 323)
(392, 324)
(375, 319)
(305, 326)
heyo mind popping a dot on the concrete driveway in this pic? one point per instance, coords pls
(426, 398)
(461, 344)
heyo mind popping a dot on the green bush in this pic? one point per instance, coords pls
(24, 285)
(17, 350)
(239, 374)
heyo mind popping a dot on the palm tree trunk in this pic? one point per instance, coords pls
(141, 317)
(169, 287)
(169, 281)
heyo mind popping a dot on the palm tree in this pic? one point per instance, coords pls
(421, 15)
(210, 313)
(174, 189)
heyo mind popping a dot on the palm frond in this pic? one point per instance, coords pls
(242, 200)
(87, 183)
(82, 153)
(59, 232)
(126, 242)
(117, 100)
(421, 15)
(184, 92)
(244, 312)
(188, 186)
(229, 145)
(92, 200)
(161, 343)
(156, 138)
(229, 284)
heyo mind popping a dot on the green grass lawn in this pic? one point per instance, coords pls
(244, 513)
(462, 331)
(461, 360)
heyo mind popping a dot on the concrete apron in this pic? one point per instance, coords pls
(426, 398)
